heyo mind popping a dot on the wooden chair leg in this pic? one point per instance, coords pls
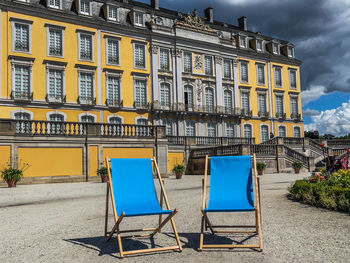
(202, 234)
(161, 205)
(106, 216)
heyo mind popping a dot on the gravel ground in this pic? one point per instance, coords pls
(65, 222)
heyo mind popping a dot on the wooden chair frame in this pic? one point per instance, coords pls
(207, 224)
(153, 231)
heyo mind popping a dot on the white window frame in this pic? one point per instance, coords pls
(31, 114)
(115, 75)
(28, 23)
(251, 130)
(172, 122)
(291, 53)
(240, 71)
(262, 45)
(170, 93)
(56, 112)
(115, 116)
(142, 78)
(54, 6)
(160, 64)
(54, 27)
(264, 94)
(279, 95)
(92, 35)
(297, 126)
(296, 79)
(212, 65)
(25, 64)
(88, 71)
(145, 52)
(195, 128)
(249, 98)
(274, 76)
(183, 62)
(87, 114)
(223, 68)
(142, 118)
(84, 13)
(215, 129)
(278, 130)
(56, 67)
(257, 74)
(277, 45)
(245, 38)
(143, 19)
(116, 12)
(116, 39)
(268, 132)
(232, 101)
(233, 129)
(291, 107)
(205, 98)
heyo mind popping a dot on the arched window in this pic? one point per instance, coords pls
(24, 125)
(264, 130)
(209, 99)
(168, 126)
(247, 131)
(297, 132)
(282, 131)
(228, 101)
(56, 127)
(190, 128)
(165, 94)
(188, 97)
(211, 129)
(87, 119)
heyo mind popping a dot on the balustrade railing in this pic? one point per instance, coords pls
(202, 140)
(297, 156)
(265, 150)
(177, 140)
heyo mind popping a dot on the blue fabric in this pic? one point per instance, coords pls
(231, 187)
(133, 186)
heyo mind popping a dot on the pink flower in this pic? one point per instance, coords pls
(322, 145)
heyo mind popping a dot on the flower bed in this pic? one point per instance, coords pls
(327, 190)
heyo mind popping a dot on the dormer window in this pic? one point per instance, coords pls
(56, 4)
(259, 45)
(275, 48)
(112, 13)
(243, 41)
(85, 7)
(138, 18)
(290, 51)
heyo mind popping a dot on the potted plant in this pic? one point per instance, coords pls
(12, 175)
(260, 166)
(179, 170)
(103, 172)
(297, 166)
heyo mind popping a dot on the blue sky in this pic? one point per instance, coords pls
(321, 33)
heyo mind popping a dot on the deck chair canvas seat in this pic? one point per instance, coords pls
(133, 193)
(231, 190)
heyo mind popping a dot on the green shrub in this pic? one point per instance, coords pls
(102, 171)
(260, 166)
(297, 165)
(11, 174)
(179, 168)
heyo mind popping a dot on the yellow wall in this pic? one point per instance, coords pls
(127, 153)
(5, 156)
(52, 161)
(175, 158)
(93, 165)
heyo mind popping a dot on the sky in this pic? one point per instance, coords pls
(320, 31)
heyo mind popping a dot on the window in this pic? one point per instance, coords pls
(190, 128)
(261, 74)
(85, 8)
(22, 127)
(293, 78)
(278, 76)
(86, 88)
(22, 37)
(275, 48)
(245, 102)
(227, 69)
(55, 42)
(230, 132)
(115, 129)
(55, 4)
(247, 131)
(243, 41)
(259, 45)
(279, 106)
(112, 13)
(294, 107)
(56, 128)
(164, 59)
(282, 131)
(85, 46)
(142, 121)
(188, 97)
(165, 94)
(290, 51)
(264, 130)
(21, 88)
(87, 119)
(139, 56)
(262, 103)
(138, 19)
(113, 51)
(228, 101)
(208, 65)
(244, 72)
(140, 93)
(168, 127)
(55, 89)
(187, 60)
(297, 132)
(211, 129)
(113, 90)
(209, 99)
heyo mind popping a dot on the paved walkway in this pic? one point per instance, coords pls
(64, 223)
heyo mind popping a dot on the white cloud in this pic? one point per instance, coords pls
(311, 94)
(310, 112)
(333, 121)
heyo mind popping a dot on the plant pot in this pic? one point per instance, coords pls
(296, 170)
(260, 172)
(104, 178)
(12, 183)
(178, 175)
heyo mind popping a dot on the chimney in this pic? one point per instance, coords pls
(155, 4)
(242, 23)
(209, 14)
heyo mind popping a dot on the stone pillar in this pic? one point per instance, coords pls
(219, 90)
(179, 85)
(220, 129)
(154, 70)
(245, 150)
(162, 151)
(236, 80)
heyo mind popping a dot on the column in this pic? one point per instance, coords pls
(219, 89)
(270, 96)
(174, 88)
(236, 79)
(99, 69)
(154, 70)
(179, 86)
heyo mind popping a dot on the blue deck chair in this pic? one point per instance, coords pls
(231, 190)
(132, 190)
